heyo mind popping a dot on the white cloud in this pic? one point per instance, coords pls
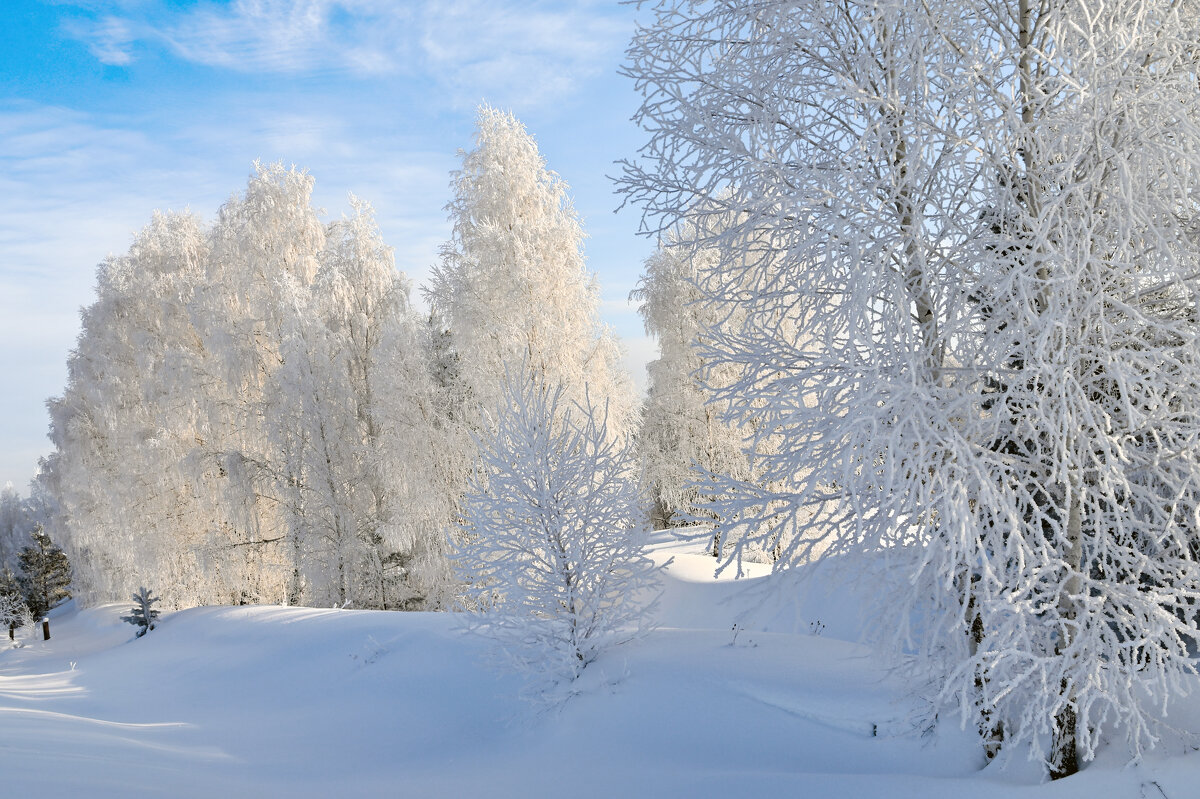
(285, 36)
(521, 54)
(110, 40)
(618, 306)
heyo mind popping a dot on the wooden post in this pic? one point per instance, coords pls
(45, 629)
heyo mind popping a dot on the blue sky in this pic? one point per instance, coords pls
(109, 110)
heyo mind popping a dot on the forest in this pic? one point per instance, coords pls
(925, 288)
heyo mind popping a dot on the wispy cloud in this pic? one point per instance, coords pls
(534, 52)
(286, 36)
(109, 39)
(618, 306)
(523, 54)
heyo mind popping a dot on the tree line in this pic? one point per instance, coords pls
(257, 412)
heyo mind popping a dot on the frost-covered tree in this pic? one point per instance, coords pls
(682, 433)
(685, 438)
(980, 222)
(427, 455)
(264, 256)
(512, 285)
(14, 613)
(143, 615)
(15, 525)
(45, 574)
(120, 491)
(555, 528)
(374, 510)
(223, 432)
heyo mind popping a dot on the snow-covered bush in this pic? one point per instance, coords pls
(14, 613)
(555, 529)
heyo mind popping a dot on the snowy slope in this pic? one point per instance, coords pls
(268, 701)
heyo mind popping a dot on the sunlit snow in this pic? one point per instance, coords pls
(272, 701)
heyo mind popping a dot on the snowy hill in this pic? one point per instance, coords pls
(271, 701)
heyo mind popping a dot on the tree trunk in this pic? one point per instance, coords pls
(991, 730)
(1064, 757)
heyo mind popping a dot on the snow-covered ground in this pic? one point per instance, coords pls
(269, 701)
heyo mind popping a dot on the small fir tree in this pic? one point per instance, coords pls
(143, 614)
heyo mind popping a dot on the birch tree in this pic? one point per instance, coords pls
(265, 249)
(125, 503)
(986, 220)
(684, 438)
(361, 372)
(556, 528)
(512, 285)
(222, 433)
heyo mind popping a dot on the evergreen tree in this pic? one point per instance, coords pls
(45, 574)
(143, 615)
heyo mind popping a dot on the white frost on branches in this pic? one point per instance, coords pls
(512, 285)
(683, 436)
(555, 528)
(247, 416)
(978, 224)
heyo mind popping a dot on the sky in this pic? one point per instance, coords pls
(110, 109)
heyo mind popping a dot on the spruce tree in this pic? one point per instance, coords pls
(45, 574)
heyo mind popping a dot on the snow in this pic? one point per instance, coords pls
(273, 701)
